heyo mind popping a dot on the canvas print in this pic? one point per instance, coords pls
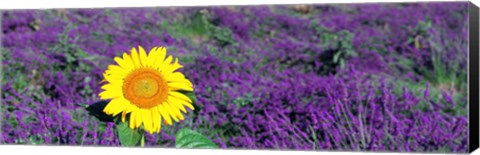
(389, 77)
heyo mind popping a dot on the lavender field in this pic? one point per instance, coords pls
(346, 77)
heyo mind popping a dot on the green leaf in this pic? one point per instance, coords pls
(83, 105)
(96, 110)
(336, 57)
(410, 40)
(223, 35)
(127, 136)
(187, 138)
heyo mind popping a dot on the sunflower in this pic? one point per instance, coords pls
(147, 87)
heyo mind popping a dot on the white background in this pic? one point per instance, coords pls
(41, 4)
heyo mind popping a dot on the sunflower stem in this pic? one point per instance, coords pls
(142, 141)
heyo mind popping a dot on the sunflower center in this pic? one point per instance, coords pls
(145, 87)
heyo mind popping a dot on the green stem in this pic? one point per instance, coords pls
(142, 141)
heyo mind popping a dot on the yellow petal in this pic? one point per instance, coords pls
(129, 107)
(138, 120)
(124, 114)
(114, 107)
(135, 58)
(171, 111)
(189, 105)
(113, 77)
(121, 62)
(129, 62)
(177, 77)
(157, 120)
(109, 94)
(167, 62)
(164, 113)
(175, 112)
(147, 119)
(133, 118)
(151, 57)
(180, 86)
(116, 70)
(174, 76)
(108, 86)
(162, 52)
(184, 81)
(170, 68)
(184, 103)
(180, 116)
(177, 103)
(180, 96)
(143, 56)
(124, 63)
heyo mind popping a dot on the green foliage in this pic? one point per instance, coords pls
(186, 59)
(72, 52)
(200, 27)
(345, 47)
(200, 22)
(186, 138)
(177, 29)
(418, 89)
(87, 90)
(325, 34)
(443, 73)
(35, 139)
(341, 42)
(20, 81)
(243, 101)
(424, 26)
(127, 136)
(420, 31)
